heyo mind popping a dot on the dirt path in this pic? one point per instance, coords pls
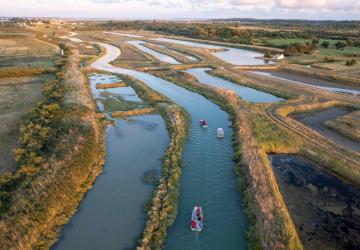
(315, 121)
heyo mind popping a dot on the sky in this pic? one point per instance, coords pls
(166, 9)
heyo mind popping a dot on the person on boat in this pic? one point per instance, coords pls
(193, 224)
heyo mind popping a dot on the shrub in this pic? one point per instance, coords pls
(350, 62)
(329, 59)
(267, 54)
(340, 45)
(298, 49)
(325, 44)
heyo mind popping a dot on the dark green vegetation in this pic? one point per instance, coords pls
(247, 32)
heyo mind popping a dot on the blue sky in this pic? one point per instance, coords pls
(157, 9)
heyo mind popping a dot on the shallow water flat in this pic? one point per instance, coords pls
(325, 209)
(127, 93)
(230, 55)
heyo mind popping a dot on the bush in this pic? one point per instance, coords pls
(350, 62)
(267, 54)
(325, 44)
(298, 49)
(329, 59)
(315, 41)
(340, 45)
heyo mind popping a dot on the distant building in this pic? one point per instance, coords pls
(278, 56)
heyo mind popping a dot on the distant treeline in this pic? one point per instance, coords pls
(294, 23)
(232, 32)
(211, 31)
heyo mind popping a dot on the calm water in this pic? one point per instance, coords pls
(231, 55)
(177, 52)
(311, 81)
(157, 55)
(127, 93)
(208, 179)
(325, 209)
(111, 216)
(247, 94)
(123, 34)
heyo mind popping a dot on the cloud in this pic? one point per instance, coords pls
(309, 9)
(317, 5)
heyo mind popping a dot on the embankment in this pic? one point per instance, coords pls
(132, 112)
(59, 155)
(110, 85)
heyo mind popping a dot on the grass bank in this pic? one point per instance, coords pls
(347, 125)
(238, 80)
(60, 153)
(110, 85)
(330, 75)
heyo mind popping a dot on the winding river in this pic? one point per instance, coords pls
(112, 216)
(207, 179)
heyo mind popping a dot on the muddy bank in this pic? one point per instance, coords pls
(325, 209)
(315, 120)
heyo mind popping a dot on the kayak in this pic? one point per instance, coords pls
(197, 219)
(203, 123)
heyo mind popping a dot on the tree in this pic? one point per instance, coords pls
(340, 45)
(315, 41)
(325, 44)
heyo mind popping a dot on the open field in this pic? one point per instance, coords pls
(17, 97)
(25, 45)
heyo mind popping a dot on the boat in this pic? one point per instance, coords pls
(197, 219)
(220, 133)
(203, 123)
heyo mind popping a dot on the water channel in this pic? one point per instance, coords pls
(231, 55)
(208, 179)
(246, 93)
(112, 216)
(157, 55)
